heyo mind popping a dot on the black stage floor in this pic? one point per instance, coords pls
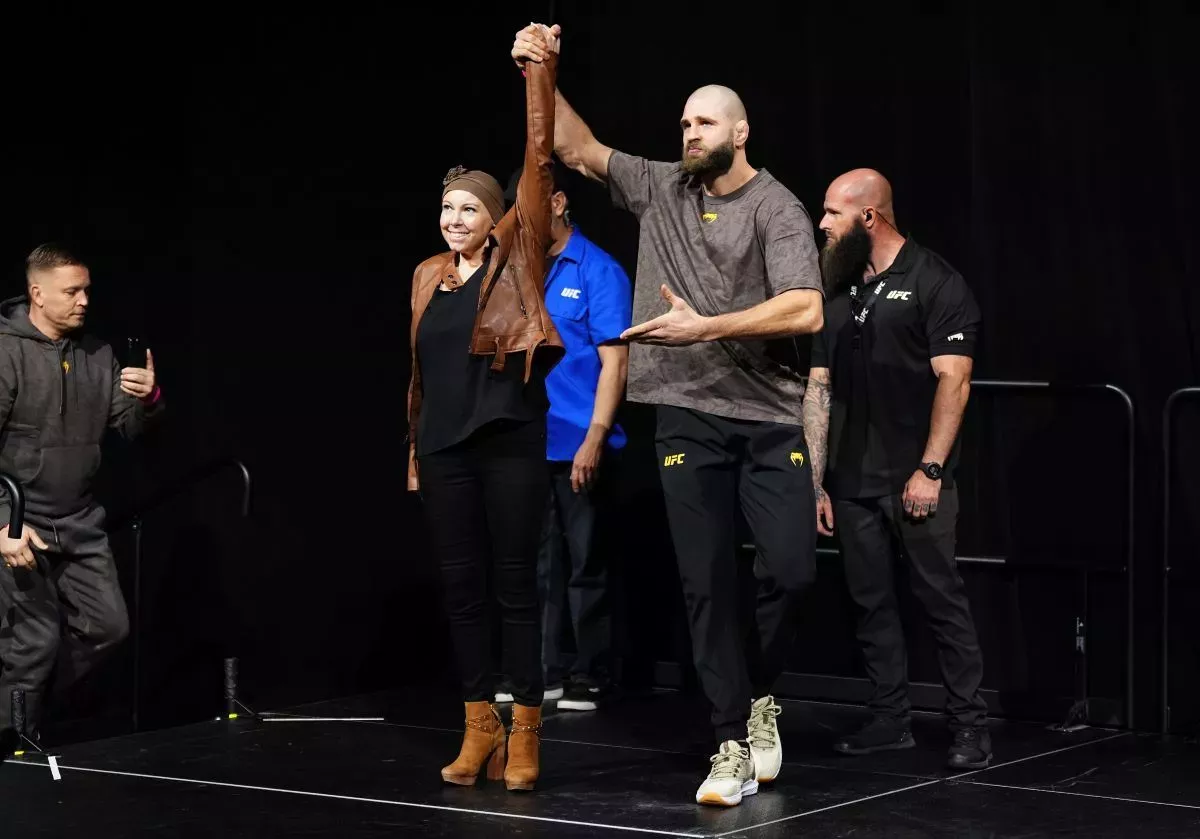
(631, 768)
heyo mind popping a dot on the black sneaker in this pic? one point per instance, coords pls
(881, 734)
(972, 749)
(583, 694)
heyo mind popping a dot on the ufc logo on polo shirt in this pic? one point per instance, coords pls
(573, 293)
(898, 295)
(674, 459)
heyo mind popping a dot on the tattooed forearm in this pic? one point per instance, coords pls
(817, 399)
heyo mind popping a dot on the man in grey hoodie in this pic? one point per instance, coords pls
(61, 607)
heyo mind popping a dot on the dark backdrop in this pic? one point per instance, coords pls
(253, 192)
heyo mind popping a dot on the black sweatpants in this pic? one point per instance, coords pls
(61, 618)
(708, 466)
(871, 532)
(573, 577)
(484, 500)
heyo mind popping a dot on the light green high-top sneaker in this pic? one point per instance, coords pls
(763, 733)
(731, 777)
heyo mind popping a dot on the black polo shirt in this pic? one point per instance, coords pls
(882, 381)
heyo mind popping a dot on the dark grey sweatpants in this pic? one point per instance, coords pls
(59, 619)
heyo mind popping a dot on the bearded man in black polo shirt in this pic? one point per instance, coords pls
(890, 378)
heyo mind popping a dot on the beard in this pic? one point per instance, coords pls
(717, 161)
(843, 260)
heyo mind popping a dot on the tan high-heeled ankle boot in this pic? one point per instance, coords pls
(483, 741)
(523, 742)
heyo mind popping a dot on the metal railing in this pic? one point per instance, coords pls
(16, 524)
(16, 501)
(1130, 503)
(1168, 461)
(134, 521)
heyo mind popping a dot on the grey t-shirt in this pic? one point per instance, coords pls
(720, 254)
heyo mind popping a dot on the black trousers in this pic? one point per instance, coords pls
(709, 465)
(873, 530)
(484, 500)
(61, 618)
(573, 577)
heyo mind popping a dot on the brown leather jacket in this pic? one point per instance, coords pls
(512, 314)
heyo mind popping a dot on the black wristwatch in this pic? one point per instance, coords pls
(933, 471)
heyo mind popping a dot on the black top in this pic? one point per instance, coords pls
(883, 384)
(460, 392)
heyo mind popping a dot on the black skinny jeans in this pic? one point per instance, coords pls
(484, 500)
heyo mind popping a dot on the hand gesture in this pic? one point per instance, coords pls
(16, 552)
(677, 328)
(139, 382)
(824, 513)
(921, 495)
(535, 42)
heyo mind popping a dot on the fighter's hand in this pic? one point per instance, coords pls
(535, 42)
(677, 328)
(16, 552)
(824, 513)
(138, 382)
(921, 495)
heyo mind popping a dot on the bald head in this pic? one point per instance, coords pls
(862, 188)
(715, 132)
(716, 100)
(861, 237)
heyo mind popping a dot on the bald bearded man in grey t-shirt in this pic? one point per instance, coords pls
(727, 267)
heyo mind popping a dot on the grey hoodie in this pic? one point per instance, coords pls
(57, 399)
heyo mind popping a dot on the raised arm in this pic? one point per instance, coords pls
(574, 142)
(136, 399)
(576, 145)
(531, 210)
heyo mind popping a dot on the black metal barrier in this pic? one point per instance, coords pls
(1168, 461)
(1078, 712)
(16, 524)
(134, 521)
(16, 502)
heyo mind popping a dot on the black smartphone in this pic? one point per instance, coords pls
(135, 354)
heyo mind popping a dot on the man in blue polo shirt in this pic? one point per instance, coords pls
(589, 298)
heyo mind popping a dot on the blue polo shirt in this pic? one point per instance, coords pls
(590, 300)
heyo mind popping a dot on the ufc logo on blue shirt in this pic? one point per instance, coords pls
(573, 293)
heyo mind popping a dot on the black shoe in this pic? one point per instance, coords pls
(584, 694)
(972, 749)
(881, 734)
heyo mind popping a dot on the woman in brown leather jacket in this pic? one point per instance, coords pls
(482, 344)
